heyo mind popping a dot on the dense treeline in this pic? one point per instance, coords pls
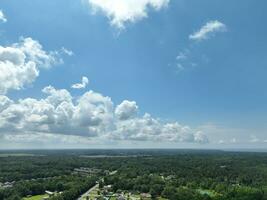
(72, 187)
(179, 175)
(228, 176)
(26, 168)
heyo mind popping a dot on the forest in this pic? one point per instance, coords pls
(163, 174)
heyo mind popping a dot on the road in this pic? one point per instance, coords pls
(83, 197)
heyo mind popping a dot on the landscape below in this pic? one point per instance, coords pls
(132, 174)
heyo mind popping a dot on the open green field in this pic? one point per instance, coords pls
(36, 197)
(207, 192)
(94, 194)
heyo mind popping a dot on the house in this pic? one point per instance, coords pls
(50, 194)
(121, 197)
(86, 171)
(107, 187)
(145, 195)
(7, 184)
(170, 177)
(106, 172)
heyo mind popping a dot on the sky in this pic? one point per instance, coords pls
(133, 74)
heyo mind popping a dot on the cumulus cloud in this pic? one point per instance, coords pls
(57, 113)
(4, 102)
(207, 30)
(81, 85)
(21, 62)
(126, 110)
(122, 11)
(147, 128)
(91, 115)
(2, 17)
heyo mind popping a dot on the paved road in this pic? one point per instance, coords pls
(83, 196)
(87, 193)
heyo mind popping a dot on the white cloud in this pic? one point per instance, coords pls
(91, 115)
(221, 142)
(67, 51)
(185, 60)
(21, 62)
(58, 113)
(44, 138)
(233, 140)
(122, 11)
(81, 85)
(181, 60)
(179, 67)
(200, 137)
(207, 30)
(2, 17)
(4, 102)
(254, 139)
(147, 128)
(182, 56)
(55, 97)
(126, 110)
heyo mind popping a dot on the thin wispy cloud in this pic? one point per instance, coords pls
(184, 58)
(209, 29)
(254, 139)
(221, 142)
(67, 51)
(187, 60)
(233, 140)
(2, 17)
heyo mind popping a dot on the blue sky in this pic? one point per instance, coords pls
(213, 83)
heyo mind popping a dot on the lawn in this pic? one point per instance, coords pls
(211, 193)
(94, 194)
(36, 197)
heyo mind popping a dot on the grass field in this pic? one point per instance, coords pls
(161, 198)
(208, 192)
(94, 194)
(36, 197)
